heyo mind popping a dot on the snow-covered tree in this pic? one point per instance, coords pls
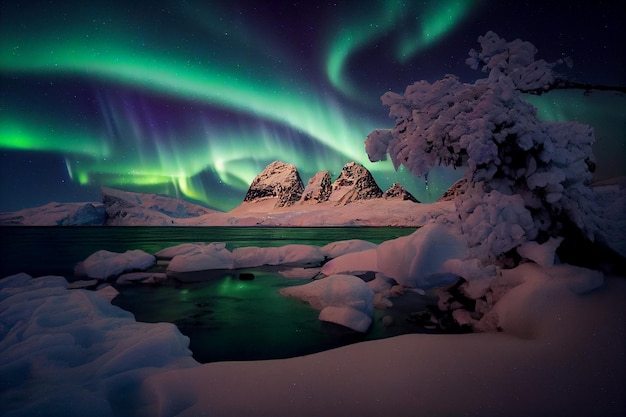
(525, 177)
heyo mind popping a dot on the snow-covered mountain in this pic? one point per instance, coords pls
(354, 183)
(125, 208)
(57, 214)
(318, 188)
(279, 182)
(279, 185)
(276, 197)
(397, 191)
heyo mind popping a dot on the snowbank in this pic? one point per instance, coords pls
(71, 353)
(294, 254)
(565, 356)
(202, 258)
(57, 214)
(104, 264)
(336, 249)
(416, 261)
(561, 353)
(342, 299)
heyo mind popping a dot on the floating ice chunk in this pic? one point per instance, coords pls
(104, 264)
(300, 273)
(143, 277)
(346, 316)
(295, 254)
(412, 260)
(301, 255)
(352, 300)
(203, 258)
(250, 256)
(108, 293)
(182, 249)
(352, 263)
(336, 249)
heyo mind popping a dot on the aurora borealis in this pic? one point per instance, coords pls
(194, 98)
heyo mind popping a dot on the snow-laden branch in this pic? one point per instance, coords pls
(526, 176)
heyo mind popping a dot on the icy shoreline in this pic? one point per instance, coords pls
(555, 341)
(69, 352)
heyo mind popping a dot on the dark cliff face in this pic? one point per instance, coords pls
(318, 189)
(278, 180)
(454, 191)
(354, 183)
(281, 182)
(115, 207)
(398, 192)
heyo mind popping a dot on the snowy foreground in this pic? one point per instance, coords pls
(561, 350)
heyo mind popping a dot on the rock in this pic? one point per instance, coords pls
(354, 183)
(318, 188)
(278, 181)
(398, 192)
(246, 276)
(454, 191)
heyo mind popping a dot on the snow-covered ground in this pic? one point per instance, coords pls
(560, 348)
(57, 214)
(378, 212)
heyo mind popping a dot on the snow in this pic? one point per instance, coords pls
(205, 257)
(300, 273)
(336, 249)
(374, 212)
(554, 364)
(70, 352)
(542, 254)
(57, 214)
(562, 340)
(554, 335)
(293, 254)
(525, 174)
(415, 261)
(142, 277)
(104, 264)
(182, 249)
(341, 299)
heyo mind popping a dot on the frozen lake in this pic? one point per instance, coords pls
(225, 318)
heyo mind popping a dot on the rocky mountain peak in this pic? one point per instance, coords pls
(355, 182)
(318, 188)
(279, 181)
(398, 192)
(454, 191)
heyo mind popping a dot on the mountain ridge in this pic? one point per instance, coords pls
(276, 197)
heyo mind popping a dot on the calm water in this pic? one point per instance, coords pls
(225, 318)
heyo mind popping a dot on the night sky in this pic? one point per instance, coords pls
(194, 98)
